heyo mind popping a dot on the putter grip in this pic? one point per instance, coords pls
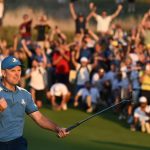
(72, 127)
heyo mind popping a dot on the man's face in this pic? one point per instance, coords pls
(104, 14)
(143, 105)
(101, 72)
(25, 17)
(12, 76)
(81, 18)
(84, 63)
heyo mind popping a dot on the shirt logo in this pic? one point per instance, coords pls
(23, 102)
(14, 60)
(1, 89)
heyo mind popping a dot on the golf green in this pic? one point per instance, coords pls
(103, 132)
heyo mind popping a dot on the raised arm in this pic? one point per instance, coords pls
(25, 48)
(93, 35)
(74, 60)
(44, 64)
(95, 63)
(145, 18)
(60, 33)
(93, 9)
(72, 10)
(117, 12)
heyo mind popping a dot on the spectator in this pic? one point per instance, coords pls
(25, 27)
(61, 60)
(37, 89)
(80, 20)
(42, 29)
(83, 70)
(145, 83)
(59, 90)
(90, 97)
(142, 116)
(145, 27)
(38, 54)
(103, 21)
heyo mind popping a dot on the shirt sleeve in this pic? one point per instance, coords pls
(31, 106)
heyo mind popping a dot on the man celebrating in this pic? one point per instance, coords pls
(104, 20)
(14, 103)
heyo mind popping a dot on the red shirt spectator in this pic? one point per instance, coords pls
(62, 67)
(61, 59)
(25, 27)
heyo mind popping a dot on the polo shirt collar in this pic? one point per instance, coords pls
(6, 89)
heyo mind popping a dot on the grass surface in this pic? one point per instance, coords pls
(104, 132)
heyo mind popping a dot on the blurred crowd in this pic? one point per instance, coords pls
(97, 68)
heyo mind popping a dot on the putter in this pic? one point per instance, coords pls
(92, 116)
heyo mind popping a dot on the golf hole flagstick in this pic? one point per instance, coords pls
(96, 114)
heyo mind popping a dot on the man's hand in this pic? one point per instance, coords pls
(3, 104)
(120, 7)
(76, 104)
(61, 132)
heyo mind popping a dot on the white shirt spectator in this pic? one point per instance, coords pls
(59, 89)
(103, 23)
(37, 78)
(93, 92)
(134, 57)
(141, 115)
(83, 74)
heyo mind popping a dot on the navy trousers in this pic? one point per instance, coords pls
(17, 144)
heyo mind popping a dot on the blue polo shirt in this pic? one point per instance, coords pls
(12, 118)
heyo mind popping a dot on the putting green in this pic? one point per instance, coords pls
(104, 132)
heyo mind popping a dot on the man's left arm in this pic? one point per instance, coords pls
(117, 12)
(45, 123)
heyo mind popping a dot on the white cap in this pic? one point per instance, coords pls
(143, 99)
(83, 59)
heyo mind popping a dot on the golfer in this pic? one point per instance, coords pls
(14, 103)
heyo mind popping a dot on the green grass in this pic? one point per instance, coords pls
(103, 132)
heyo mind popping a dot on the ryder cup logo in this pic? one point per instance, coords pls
(23, 102)
(14, 60)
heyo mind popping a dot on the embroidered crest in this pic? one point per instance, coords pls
(23, 102)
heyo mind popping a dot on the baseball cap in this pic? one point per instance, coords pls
(10, 62)
(83, 59)
(142, 99)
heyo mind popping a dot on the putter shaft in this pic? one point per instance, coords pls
(92, 116)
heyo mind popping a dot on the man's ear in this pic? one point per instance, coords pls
(3, 73)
